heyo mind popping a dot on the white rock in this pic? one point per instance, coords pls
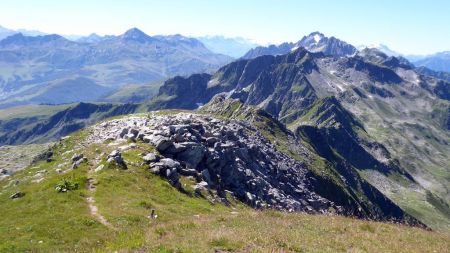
(99, 168)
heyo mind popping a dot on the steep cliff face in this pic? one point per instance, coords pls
(181, 92)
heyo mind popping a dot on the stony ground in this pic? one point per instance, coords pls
(224, 155)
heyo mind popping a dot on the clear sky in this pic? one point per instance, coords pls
(406, 26)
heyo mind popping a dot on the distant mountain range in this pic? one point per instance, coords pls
(235, 47)
(5, 32)
(438, 62)
(53, 69)
(231, 46)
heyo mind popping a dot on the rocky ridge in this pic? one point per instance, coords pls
(224, 155)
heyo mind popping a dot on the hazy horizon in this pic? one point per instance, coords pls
(263, 22)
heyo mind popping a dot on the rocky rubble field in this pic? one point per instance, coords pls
(223, 155)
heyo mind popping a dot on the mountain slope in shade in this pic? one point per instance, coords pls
(314, 42)
(53, 125)
(110, 62)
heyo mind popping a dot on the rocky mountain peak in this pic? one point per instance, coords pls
(312, 38)
(372, 52)
(377, 56)
(318, 42)
(134, 34)
(314, 42)
(91, 38)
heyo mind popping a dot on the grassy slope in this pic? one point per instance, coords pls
(44, 220)
(135, 93)
(417, 151)
(31, 111)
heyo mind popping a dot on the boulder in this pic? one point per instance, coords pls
(160, 142)
(207, 176)
(211, 140)
(169, 163)
(187, 172)
(134, 132)
(123, 132)
(76, 157)
(130, 137)
(150, 157)
(198, 188)
(99, 168)
(176, 148)
(192, 155)
(17, 195)
(114, 153)
(116, 156)
(77, 163)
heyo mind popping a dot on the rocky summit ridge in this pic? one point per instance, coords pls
(225, 155)
(232, 156)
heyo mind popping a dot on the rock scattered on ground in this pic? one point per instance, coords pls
(224, 155)
(116, 157)
(77, 159)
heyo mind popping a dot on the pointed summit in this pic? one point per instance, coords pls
(136, 35)
(314, 37)
(92, 38)
(318, 42)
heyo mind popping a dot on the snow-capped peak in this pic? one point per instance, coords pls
(317, 38)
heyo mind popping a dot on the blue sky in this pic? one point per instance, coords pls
(407, 26)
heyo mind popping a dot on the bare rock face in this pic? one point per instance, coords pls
(224, 155)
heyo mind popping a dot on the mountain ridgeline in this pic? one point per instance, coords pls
(40, 129)
(314, 42)
(40, 69)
